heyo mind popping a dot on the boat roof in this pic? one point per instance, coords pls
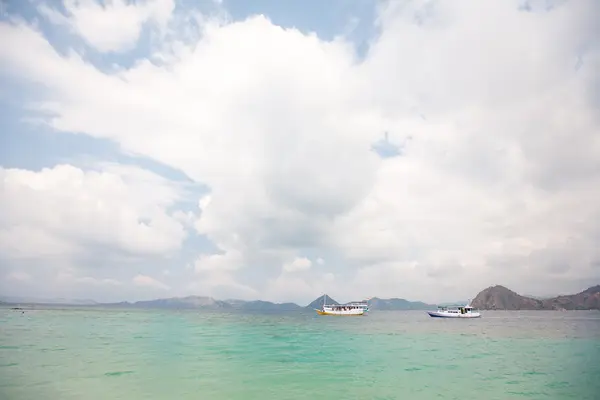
(455, 305)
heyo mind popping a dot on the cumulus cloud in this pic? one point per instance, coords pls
(66, 212)
(18, 276)
(499, 179)
(214, 275)
(298, 264)
(301, 288)
(69, 276)
(147, 281)
(111, 27)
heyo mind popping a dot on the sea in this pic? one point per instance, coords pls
(93, 354)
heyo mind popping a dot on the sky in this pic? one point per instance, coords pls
(279, 150)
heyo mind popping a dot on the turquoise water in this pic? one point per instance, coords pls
(139, 354)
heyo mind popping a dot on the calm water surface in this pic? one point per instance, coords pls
(121, 354)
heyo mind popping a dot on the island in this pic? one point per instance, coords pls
(499, 297)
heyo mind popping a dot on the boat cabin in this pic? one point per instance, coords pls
(346, 307)
(457, 309)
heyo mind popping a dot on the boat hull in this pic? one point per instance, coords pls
(348, 313)
(437, 314)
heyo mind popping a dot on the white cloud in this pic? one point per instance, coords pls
(69, 276)
(187, 219)
(220, 283)
(212, 262)
(302, 289)
(214, 276)
(498, 182)
(69, 212)
(297, 282)
(147, 281)
(26, 241)
(111, 27)
(298, 264)
(18, 276)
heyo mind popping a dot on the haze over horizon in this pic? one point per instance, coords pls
(73, 301)
(62, 300)
(417, 149)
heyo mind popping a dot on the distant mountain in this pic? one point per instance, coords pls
(587, 300)
(398, 304)
(501, 298)
(376, 303)
(116, 305)
(495, 297)
(540, 297)
(189, 302)
(235, 302)
(259, 305)
(318, 302)
(208, 303)
(37, 300)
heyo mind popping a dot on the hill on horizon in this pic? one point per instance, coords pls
(260, 305)
(398, 304)
(209, 303)
(184, 302)
(318, 302)
(494, 297)
(37, 300)
(499, 297)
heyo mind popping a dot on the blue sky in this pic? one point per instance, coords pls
(277, 150)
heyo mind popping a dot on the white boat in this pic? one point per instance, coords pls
(455, 312)
(350, 309)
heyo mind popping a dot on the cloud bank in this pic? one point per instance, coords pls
(493, 109)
